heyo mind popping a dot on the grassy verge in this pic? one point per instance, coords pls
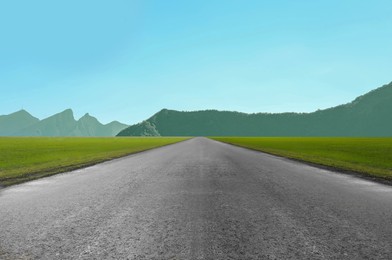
(25, 158)
(369, 156)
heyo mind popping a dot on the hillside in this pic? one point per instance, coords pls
(367, 115)
(11, 123)
(22, 123)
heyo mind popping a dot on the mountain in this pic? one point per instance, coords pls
(90, 126)
(367, 115)
(61, 124)
(115, 127)
(15, 121)
(22, 123)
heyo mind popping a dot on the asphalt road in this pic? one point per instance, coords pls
(199, 199)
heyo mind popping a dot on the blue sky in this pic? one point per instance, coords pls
(126, 60)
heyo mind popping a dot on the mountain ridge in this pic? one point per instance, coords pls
(22, 123)
(367, 115)
(14, 121)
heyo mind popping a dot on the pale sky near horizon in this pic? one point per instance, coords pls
(126, 60)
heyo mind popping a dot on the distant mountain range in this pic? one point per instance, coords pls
(367, 115)
(22, 123)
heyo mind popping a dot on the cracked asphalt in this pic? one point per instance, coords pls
(198, 199)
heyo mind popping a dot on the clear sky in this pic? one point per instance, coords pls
(126, 60)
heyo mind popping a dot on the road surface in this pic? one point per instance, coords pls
(198, 199)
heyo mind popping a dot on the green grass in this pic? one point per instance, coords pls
(370, 156)
(27, 158)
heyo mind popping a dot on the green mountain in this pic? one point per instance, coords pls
(62, 124)
(367, 115)
(90, 126)
(115, 127)
(11, 123)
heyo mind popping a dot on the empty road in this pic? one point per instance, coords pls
(198, 199)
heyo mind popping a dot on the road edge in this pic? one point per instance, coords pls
(361, 175)
(42, 174)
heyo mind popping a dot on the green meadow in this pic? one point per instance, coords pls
(370, 156)
(27, 158)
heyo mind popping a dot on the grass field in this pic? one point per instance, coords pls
(370, 156)
(24, 158)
